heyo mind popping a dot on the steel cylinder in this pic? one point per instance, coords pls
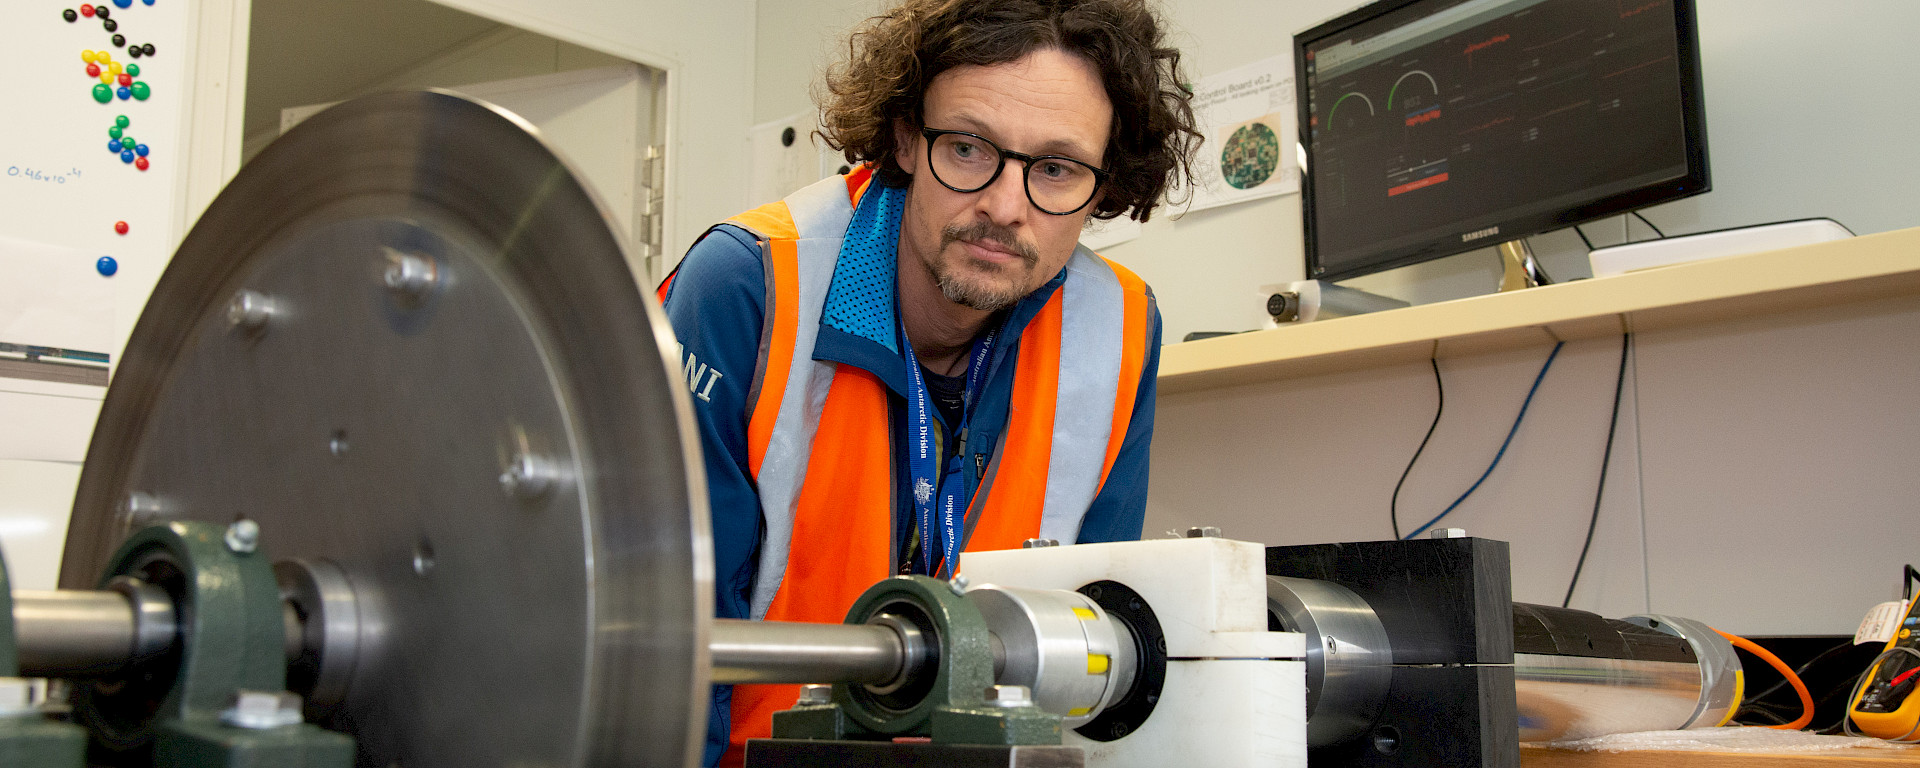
(73, 633)
(794, 652)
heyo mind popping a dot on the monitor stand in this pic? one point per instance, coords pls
(1519, 268)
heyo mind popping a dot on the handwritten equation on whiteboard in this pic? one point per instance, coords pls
(31, 174)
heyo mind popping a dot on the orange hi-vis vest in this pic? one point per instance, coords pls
(820, 440)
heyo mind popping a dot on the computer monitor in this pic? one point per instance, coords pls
(1434, 127)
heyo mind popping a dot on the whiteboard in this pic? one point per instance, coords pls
(59, 186)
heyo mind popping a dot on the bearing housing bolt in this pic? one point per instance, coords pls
(1009, 696)
(243, 536)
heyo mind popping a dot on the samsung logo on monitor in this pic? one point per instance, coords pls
(1479, 233)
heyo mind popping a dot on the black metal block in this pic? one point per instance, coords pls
(1441, 601)
(1457, 717)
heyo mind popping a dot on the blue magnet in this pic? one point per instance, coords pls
(122, 3)
(107, 266)
(140, 149)
(114, 146)
(124, 93)
(148, 2)
(126, 155)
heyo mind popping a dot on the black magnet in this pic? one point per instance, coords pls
(70, 14)
(119, 41)
(110, 24)
(147, 49)
(100, 11)
(134, 51)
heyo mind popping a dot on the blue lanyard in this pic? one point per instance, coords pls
(923, 456)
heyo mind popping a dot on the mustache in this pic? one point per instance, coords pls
(1003, 238)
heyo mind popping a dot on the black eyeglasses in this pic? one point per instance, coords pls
(965, 162)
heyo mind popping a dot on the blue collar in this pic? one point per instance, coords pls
(859, 324)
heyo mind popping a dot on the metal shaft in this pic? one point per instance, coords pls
(79, 632)
(793, 652)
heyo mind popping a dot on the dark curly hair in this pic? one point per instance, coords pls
(894, 56)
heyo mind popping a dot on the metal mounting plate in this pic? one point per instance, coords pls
(368, 416)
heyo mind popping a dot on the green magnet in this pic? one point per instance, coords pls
(122, 121)
(114, 132)
(102, 94)
(141, 91)
(128, 143)
(133, 69)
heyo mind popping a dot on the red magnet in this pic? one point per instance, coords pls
(140, 163)
(126, 79)
(87, 11)
(120, 227)
(93, 70)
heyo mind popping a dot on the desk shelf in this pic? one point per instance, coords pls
(1853, 270)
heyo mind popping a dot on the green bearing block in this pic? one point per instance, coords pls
(203, 742)
(1013, 726)
(32, 740)
(817, 721)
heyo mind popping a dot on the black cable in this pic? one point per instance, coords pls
(1823, 656)
(1583, 236)
(1440, 394)
(1656, 230)
(1606, 458)
(1911, 576)
(1497, 456)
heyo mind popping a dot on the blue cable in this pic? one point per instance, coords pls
(1503, 444)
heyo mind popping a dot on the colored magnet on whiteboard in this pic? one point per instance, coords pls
(100, 11)
(89, 57)
(127, 143)
(87, 11)
(93, 70)
(70, 14)
(141, 91)
(119, 41)
(140, 162)
(148, 2)
(133, 69)
(141, 150)
(122, 3)
(123, 93)
(147, 49)
(106, 77)
(134, 51)
(110, 25)
(116, 132)
(113, 145)
(112, 66)
(122, 121)
(120, 227)
(107, 266)
(126, 156)
(102, 94)
(125, 79)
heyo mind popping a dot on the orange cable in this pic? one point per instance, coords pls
(1806, 699)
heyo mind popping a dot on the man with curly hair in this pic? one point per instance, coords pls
(917, 359)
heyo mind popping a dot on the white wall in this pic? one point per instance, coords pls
(706, 49)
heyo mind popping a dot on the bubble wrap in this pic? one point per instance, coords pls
(1733, 739)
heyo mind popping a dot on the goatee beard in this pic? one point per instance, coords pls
(985, 298)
